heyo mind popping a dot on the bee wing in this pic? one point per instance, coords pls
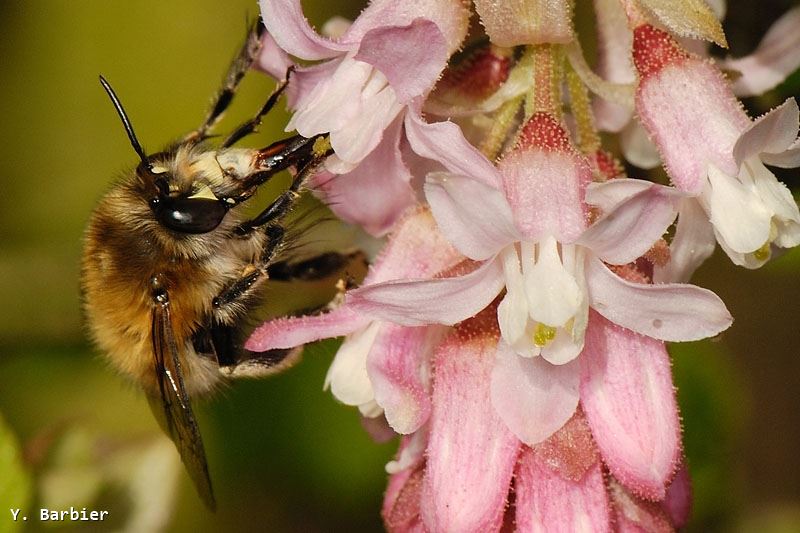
(172, 407)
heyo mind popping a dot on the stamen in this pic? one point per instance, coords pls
(543, 334)
(763, 253)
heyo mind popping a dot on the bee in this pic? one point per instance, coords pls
(171, 267)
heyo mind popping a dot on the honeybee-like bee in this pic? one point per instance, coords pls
(171, 267)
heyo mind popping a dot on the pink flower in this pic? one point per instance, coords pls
(461, 477)
(714, 153)
(532, 240)
(365, 92)
(380, 367)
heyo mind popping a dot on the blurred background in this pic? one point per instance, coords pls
(283, 454)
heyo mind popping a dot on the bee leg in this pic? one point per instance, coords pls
(225, 302)
(314, 268)
(239, 66)
(250, 126)
(308, 162)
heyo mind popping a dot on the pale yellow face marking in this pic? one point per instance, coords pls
(204, 192)
(158, 169)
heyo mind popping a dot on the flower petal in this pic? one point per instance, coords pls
(670, 312)
(678, 502)
(777, 56)
(347, 377)
(634, 515)
(553, 293)
(788, 159)
(435, 301)
(779, 199)
(295, 331)
(546, 190)
(693, 243)
(739, 217)
(471, 453)
(416, 249)
(610, 194)
(444, 142)
(377, 192)
(395, 51)
(629, 231)
(637, 148)
(628, 398)
(397, 367)
(772, 133)
(272, 59)
(401, 502)
(512, 312)
(693, 118)
(547, 501)
(533, 397)
(473, 216)
(285, 21)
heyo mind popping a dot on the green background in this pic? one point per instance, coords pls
(284, 455)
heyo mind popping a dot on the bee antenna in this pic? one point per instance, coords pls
(125, 120)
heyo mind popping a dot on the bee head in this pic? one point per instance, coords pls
(195, 211)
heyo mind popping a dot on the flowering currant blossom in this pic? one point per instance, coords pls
(365, 92)
(513, 328)
(716, 154)
(532, 240)
(381, 368)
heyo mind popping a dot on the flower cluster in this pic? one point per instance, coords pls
(513, 327)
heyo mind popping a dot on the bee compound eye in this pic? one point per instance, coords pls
(190, 215)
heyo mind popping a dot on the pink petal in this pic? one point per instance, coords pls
(272, 59)
(533, 397)
(546, 190)
(629, 401)
(632, 227)
(378, 429)
(693, 243)
(636, 516)
(411, 57)
(305, 79)
(471, 453)
(285, 21)
(397, 366)
(295, 331)
(416, 249)
(669, 312)
(637, 148)
(612, 193)
(693, 118)
(473, 216)
(777, 56)
(377, 191)
(452, 18)
(547, 501)
(435, 301)
(678, 502)
(788, 159)
(401, 502)
(772, 133)
(444, 142)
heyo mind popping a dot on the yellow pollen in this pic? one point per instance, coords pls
(321, 145)
(763, 253)
(543, 334)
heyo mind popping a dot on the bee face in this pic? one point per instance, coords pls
(171, 269)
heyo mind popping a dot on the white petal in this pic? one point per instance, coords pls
(693, 243)
(347, 377)
(737, 213)
(553, 294)
(512, 313)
